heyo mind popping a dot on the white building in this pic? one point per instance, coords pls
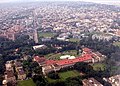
(67, 57)
(39, 47)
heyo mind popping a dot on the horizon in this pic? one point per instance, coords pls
(94, 1)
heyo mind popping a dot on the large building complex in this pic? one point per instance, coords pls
(56, 65)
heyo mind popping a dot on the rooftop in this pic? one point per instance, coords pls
(69, 61)
(91, 82)
(84, 57)
(10, 73)
(86, 50)
(72, 61)
(21, 71)
(18, 64)
(39, 59)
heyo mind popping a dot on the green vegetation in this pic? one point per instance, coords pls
(52, 80)
(74, 40)
(57, 56)
(46, 34)
(99, 66)
(65, 75)
(26, 83)
(116, 44)
(71, 52)
(53, 56)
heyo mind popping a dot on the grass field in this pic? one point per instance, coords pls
(65, 75)
(46, 34)
(53, 80)
(116, 44)
(99, 66)
(74, 40)
(26, 83)
(57, 56)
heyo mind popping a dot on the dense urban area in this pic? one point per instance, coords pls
(59, 44)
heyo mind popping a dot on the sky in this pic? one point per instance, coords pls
(96, 1)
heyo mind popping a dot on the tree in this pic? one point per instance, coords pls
(76, 81)
(39, 83)
(57, 83)
(38, 70)
(53, 75)
(39, 80)
(81, 66)
(1, 64)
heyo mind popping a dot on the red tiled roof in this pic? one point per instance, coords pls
(50, 62)
(85, 57)
(86, 50)
(64, 62)
(39, 59)
(79, 59)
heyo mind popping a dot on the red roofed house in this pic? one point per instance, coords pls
(86, 51)
(39, 60)
(9, 76)
(50, 62)
(56, 65)
(69, 62)
(9, 73)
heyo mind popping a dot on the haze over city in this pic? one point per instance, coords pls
(96, 1)
(59, 43)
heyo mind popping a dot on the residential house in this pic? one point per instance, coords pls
(20, 72)
(91, 82)
(9, 76)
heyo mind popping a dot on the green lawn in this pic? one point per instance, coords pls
(46, 34)
(57, 56)
(53, 56)
(65, 75)
(53, 80)
(74, 40)
(71, 52)
(116, 44)
(99, 66)
(26, 83)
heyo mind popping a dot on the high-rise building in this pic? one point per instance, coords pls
(35, 37)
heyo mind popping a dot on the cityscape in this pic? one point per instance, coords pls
(59, 43)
